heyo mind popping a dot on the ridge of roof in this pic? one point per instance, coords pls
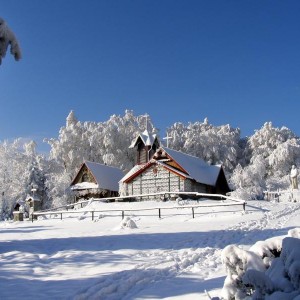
(87, 162)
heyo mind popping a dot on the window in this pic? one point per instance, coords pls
(85, 177)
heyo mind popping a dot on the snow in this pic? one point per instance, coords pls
(84, 186)
(142, 256)
(147, 138)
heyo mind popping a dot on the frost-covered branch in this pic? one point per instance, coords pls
(8, 38)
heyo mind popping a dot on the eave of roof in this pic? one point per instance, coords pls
(135, 171)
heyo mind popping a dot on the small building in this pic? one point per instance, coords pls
(34, 203)
(173, 171)
(94, 180)
(19, 206)
(19, 210)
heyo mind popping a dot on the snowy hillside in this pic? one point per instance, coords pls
(141, 257)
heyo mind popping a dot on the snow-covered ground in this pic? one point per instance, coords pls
(174, 257)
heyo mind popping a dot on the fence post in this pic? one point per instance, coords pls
(244, 206)
(61, 216)
(122, 214)
(159, 214)
(32, 217)
(193, 212)
(92, 215)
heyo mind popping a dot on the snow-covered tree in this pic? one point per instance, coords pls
(249, 182)
(268, 157)
(35, 185)
(103, 142)
(253, 164)
(266, 140)
(70, 147)
(20, 172)
(8, 38)
(215, 144)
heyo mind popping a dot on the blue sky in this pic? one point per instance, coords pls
(235, 62)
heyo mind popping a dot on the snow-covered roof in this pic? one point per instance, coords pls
(106, 177)
(196, 167)
(147, 138)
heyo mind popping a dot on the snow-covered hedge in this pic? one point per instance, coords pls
(268, 270)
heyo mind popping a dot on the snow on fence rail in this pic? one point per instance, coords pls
(233, 202)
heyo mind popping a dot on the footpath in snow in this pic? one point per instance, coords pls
(175, 257)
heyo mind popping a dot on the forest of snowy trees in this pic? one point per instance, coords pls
(252, 165)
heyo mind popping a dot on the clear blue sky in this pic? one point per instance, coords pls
(235, 62)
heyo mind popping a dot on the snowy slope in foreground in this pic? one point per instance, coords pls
(175, 257)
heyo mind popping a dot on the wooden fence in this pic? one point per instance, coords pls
(69, 209)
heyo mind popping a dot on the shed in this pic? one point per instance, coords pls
(95, 180)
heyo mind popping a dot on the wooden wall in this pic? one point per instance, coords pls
(157, 179)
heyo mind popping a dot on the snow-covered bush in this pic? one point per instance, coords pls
(269, 270)
(127, 222)
(268, 250)
(237, 261)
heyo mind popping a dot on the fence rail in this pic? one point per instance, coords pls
(67, 210)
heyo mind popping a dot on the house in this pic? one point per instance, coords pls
(173, 171)
(94, 180)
